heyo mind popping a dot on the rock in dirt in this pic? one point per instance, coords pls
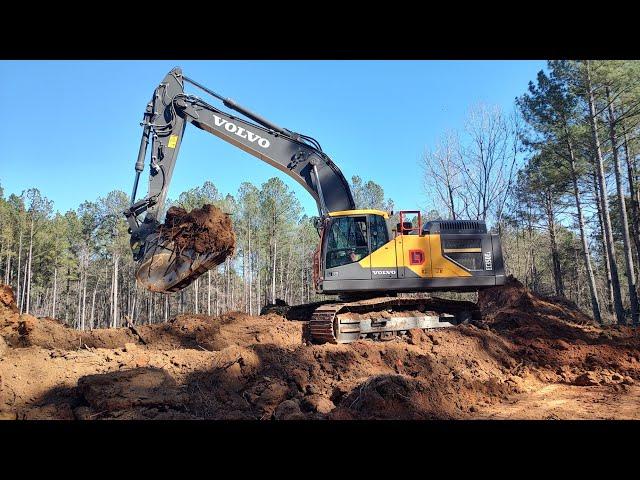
(317, 403)
(289, 410)
(587, 379)
(270, 394)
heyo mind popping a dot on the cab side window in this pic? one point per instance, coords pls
(379, 232)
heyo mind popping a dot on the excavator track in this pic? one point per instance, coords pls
(384, 318)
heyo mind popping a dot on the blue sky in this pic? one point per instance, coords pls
(71, 128)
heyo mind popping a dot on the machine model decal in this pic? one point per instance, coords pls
(488, 261)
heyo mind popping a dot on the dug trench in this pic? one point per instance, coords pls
(529, 357)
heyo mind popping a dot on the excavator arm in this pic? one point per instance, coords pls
(164, 122)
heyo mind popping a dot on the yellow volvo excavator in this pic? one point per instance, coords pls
(361, 257)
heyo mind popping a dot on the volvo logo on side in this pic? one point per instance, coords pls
(383, 272)
(241, 132)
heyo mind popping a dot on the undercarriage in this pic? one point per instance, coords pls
(379, 318)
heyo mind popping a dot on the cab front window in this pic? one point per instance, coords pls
(347, 241)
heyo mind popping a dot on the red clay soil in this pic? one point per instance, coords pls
(204, 230)
(7, 299)
(530, 357)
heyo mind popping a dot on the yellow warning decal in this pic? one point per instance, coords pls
(173, 139)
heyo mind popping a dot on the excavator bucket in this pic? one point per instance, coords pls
(185, 247)
(165, 268)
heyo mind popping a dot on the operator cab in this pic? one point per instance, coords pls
(359, 246)
(351, 235)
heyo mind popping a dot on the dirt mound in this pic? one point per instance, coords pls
(8, 315)
(202, 332)
(147, 387)
(7, 299)
(203, 230)
(557, 336)
(513, 307)
(198, 332)
(396, 397)
(511, 364)
(49, 333)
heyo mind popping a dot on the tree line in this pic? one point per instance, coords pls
(569, 214)
(77, 266)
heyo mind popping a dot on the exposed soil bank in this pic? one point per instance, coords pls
(529, 357)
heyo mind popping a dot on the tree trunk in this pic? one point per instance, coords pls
(7, 273)
(555, 257)
(19, 265)
(605, 250)
(84, 289)
(250, 275)
(595, 303)
(66, 297)
(273, 273)
(228, 294)
(604, 200)
(635, 208)
(217, 300)
(166, 308)
(195, 286)
(626, 239)
(93, 303)
(258, 306)
(115, 291)
(281, 277)
(30, 262)
(209, 292)
(287, 278)
(452, 209)
(55, 291)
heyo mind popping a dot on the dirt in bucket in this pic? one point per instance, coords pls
(204, 230)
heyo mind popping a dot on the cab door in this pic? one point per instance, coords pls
(384, 260)
(347, 249)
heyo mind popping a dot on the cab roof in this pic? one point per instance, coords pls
(345, 213)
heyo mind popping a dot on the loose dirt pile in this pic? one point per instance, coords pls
(187, 245)
(529, 357)
(203, 230)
